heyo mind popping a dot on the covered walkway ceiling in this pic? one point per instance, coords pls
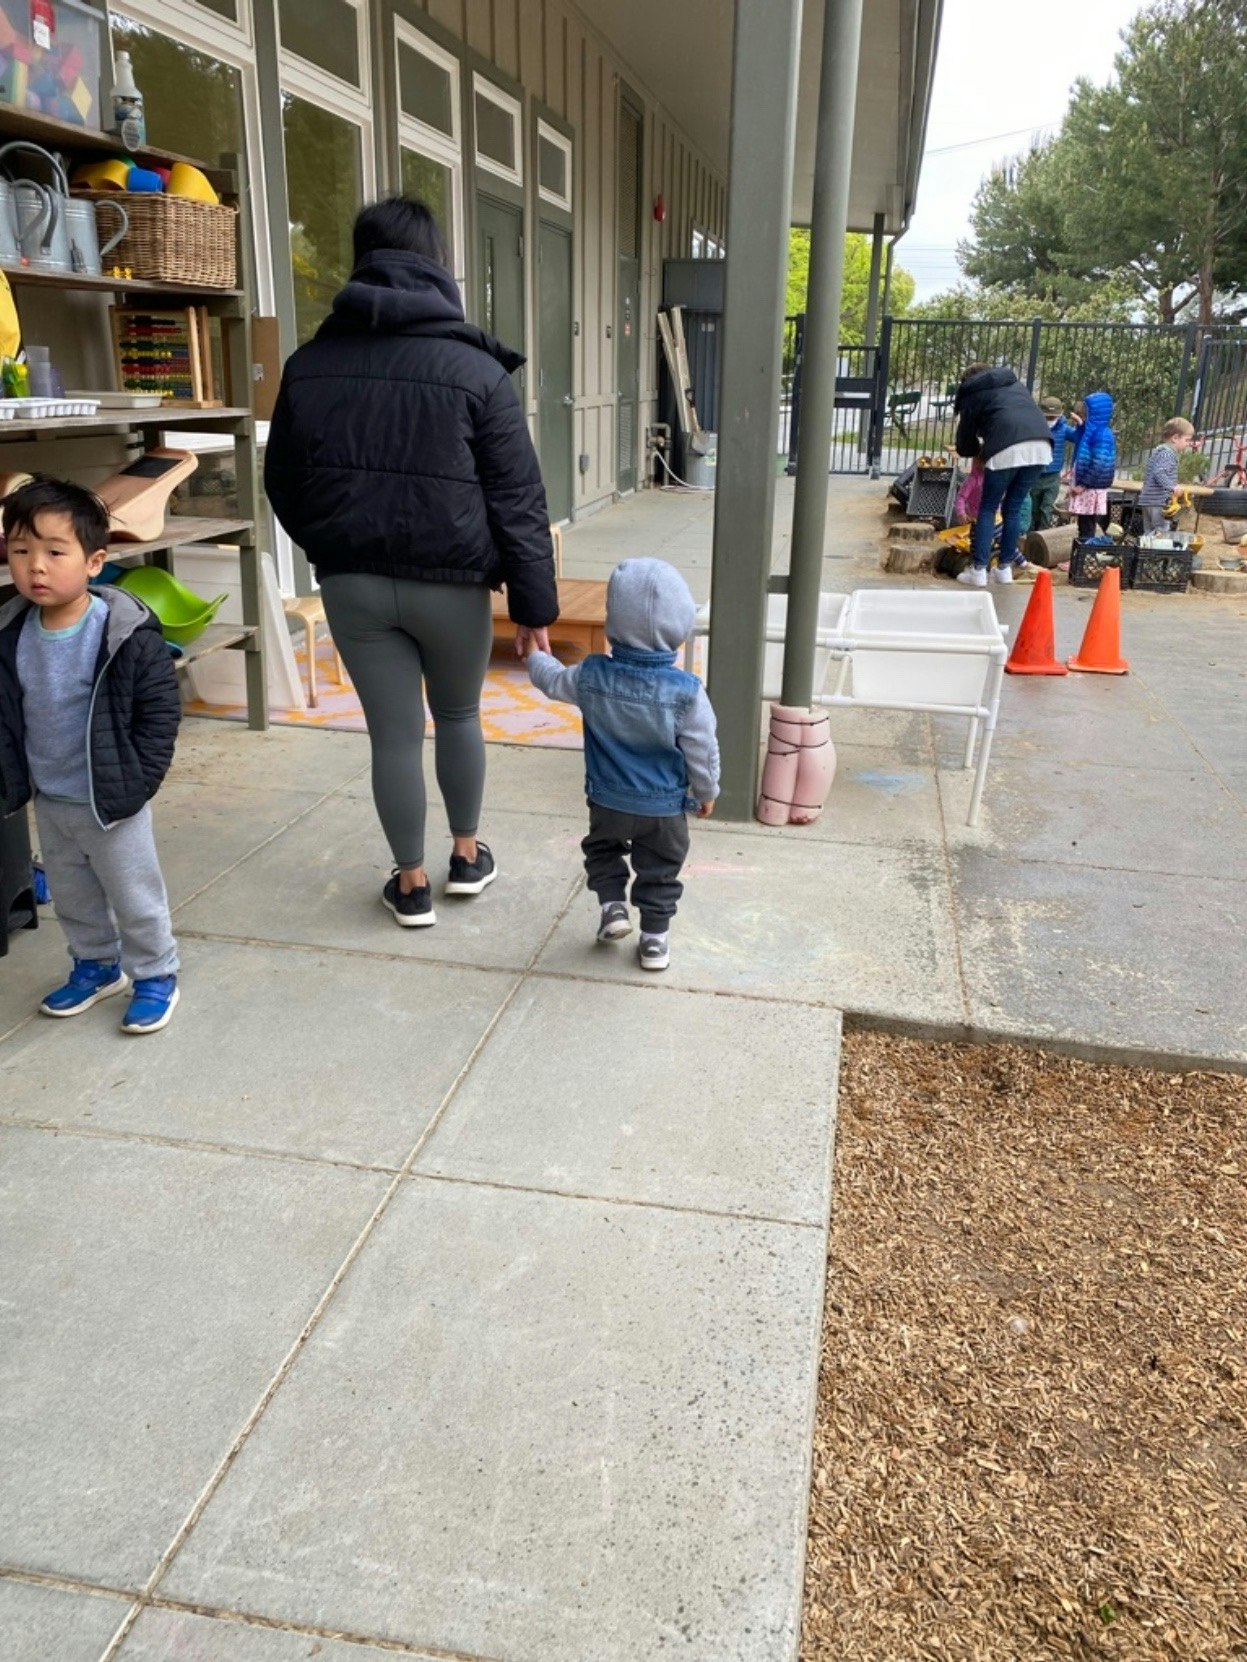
(683, 50)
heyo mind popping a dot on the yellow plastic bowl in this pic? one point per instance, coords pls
(110, 174)
(185, 180)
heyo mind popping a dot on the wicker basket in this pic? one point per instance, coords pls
(174, 239)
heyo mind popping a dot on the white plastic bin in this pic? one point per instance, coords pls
(908, 617)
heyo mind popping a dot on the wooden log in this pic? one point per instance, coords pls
(1049, 548)
(906, 558)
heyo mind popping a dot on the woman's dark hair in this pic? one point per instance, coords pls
(401, 223)
(972, 369)
(87, 514)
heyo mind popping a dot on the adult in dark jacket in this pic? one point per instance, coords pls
(999, 426)
(400, 461)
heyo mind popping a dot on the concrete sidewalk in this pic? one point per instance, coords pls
(457, 1293)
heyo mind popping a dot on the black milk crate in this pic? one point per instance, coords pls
(932, 494)
(1163, 570)
(1089, 562)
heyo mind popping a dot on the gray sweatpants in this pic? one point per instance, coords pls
(107, 889)
(394, 634)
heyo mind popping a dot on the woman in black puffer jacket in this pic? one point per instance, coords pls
(400, 461)
(1001, 429)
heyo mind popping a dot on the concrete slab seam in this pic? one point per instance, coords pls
(716, 1212)
(237, 1618)
(195, 1145)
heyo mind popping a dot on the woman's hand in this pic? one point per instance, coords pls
(531, 640)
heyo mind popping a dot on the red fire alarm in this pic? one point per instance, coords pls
(660, 209)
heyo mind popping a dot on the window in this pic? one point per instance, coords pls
(699, 245)
(325, 33)
(223, 8)
(193, 102)
(428, 85)
(325, 186)
(554, 167)
(497, 131)
(429, 123)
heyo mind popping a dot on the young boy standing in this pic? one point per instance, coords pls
(1160, 477)
(89, 712)
(650, 746)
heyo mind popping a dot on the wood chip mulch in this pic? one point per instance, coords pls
(1032, 1415)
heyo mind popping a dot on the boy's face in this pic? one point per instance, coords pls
(48, 563)
(1182, 441)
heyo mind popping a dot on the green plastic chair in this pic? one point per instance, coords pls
(183, 615)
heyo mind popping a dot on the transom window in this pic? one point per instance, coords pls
(497, 117)
(554, 167)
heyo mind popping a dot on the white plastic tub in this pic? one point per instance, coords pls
(965, 621)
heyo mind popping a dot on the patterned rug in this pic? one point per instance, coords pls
(512, 710)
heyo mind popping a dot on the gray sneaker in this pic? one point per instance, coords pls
(654, 952)
(615, 922)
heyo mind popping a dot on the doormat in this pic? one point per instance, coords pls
(512, 710)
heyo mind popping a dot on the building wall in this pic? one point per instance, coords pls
(547, 46)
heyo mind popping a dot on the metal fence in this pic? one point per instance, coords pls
(1219, 400)
(856, 394)
(907, 384)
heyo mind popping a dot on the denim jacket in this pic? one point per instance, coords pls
(650, 742)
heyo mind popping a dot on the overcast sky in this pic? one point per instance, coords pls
(1001, 68)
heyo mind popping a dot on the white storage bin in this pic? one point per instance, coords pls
(908, 616)
(965, 613)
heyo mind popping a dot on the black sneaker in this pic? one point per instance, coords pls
(412, 911)
(471, 876)
(615, 922)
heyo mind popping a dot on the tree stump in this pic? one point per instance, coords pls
(911, 548)
(1219, 582)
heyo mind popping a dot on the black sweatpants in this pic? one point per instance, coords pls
(658, 847)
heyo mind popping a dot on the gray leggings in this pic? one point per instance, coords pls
(394, 633)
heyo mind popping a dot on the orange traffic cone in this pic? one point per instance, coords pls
(1100, 652)
(1034, 650)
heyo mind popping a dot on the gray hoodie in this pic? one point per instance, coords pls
(650, 741)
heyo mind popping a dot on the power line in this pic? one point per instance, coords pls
(972, 144)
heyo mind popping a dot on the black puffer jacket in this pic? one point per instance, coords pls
(995, 411)
(398, 445)
(134, 717)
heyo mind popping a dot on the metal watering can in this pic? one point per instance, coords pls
(38, 218)
(85, 251)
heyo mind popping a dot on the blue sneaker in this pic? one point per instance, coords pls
(88, 983)
(152, 1005)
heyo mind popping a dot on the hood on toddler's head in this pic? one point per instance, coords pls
(648, 606)
(1099, 408)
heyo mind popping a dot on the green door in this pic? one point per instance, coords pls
(556, 399)
(500, 250)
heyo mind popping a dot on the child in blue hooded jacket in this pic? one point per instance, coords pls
(1094, 464)
(651, 751)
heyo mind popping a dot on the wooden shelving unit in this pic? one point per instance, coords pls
(232, 308)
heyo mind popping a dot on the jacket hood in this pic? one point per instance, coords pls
(125, 615)
(1099, 407)
(648, 607)
(393, 293)
(987, 380)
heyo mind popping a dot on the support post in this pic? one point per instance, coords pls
(764, 101)
(887, 277)
(1032, 362)
(872, 293)
(833, 157)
